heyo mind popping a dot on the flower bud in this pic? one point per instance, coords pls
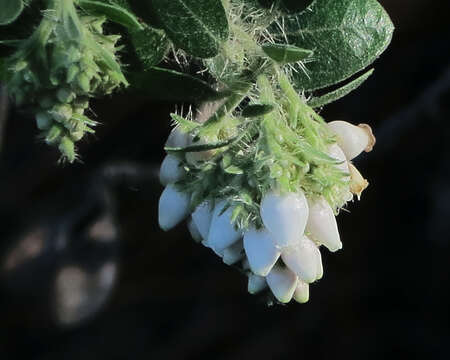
(322, 225)
(233, 253)
(222, 232)
(43, 120)
(202, 218)
(282, 282)
(303, 259)
(67, 148)
(173, 207)
(285, 216)
(301, 294)
(171, 170)
(177, 138)
(260, 250)
(193, 230)
(353, 139)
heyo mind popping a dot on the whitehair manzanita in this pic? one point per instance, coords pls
(273, 174)
(258, 174)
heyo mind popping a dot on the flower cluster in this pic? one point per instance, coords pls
(66, 61)
(281, 250)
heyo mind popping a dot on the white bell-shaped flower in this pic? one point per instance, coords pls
(202, 218)
(301, 293)
(194, 231)
(260, 250)
(234, 253)
(282, 282)
(322, 225)
(303, 260)
(352, 139)
(173, 207)
(222, 232)
(171, 170)
(285, 216)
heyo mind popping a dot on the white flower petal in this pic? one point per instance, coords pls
(173, 207)
(194, 231)
(261, 251)
(233, 253)
(256, 283)
(302, 259)
(352, 139)
(301, 294)
(202, 218)
(322, 225)
(285, 216)
(171, 170)
(282, 282)
(222, 232)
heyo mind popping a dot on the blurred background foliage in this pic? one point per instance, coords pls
(86, 272)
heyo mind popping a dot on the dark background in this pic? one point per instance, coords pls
(87, 274)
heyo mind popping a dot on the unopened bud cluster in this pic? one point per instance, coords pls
(67, 61)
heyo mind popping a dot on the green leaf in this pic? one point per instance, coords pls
(151, 45)
(289, 6)
(197, 26)
(316, 102)
(255, 110)
(285, 54)
(170, 85)
(10, 11)
(113, 12)
(346, 36)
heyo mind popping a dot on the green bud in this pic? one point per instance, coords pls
(62, 113)
(77, 135)
(67, 148)
(53, 134)
(72, 72)
(65, 95)
(83, 82)
(43, 120)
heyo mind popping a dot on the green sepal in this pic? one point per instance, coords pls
(255, 110)
(285, 53)
(10, 10)
(337, 94)
(203, 147)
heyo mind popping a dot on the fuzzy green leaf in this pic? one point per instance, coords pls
(255, 110)
(164, 84)
(197, 26)
(290, 6)
(151, 45)
(285, 54)
(316, 102)
(10, 10)
(113, 12)
(346, 36)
